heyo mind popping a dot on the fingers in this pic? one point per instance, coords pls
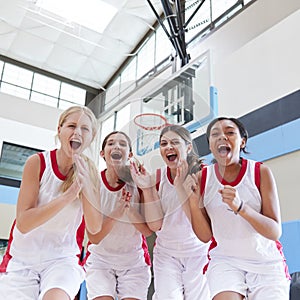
(126, 196)
(192, 183)
(143, 170)
(133, 168)
(80, 163)
(73, 191)
(228, 192)
(230, 196)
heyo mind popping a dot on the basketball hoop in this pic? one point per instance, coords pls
(150, 121)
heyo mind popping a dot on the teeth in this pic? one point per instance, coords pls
(171, 154)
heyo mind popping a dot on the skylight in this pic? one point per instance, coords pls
(93, 14)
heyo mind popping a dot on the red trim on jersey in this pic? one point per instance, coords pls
(79, 238)
(239, 177)
(55, 165)
(203, 180)
(257, 174)
(87, 254)
(146, 251)
(169, 175)
(42, 164)
(278, 244)
(158, 177)
(286, 269)
(213, 244)
(7, 257)
(113, 189)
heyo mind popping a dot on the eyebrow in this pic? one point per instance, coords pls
(114, 140)
(171, 140)
(227, 127)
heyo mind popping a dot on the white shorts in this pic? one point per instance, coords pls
(179, 278)
(33, 283)
(225, 277)
(131, 283)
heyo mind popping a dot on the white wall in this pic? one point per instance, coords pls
(28, 124)
(255, 56)
(285, 170)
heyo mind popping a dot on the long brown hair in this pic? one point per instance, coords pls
(124, 171)
(193, 160)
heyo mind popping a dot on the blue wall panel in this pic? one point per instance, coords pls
(8, 194)
(272, 143)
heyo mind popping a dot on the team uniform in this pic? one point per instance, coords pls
(119, 265)
(243, 261)
(178, 256)
(48, 256)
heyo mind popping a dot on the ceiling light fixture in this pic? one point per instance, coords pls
(92, 14)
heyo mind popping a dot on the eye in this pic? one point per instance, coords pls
(86, 129)
(163, 144)
(230, 133)
(175, 142)
(214, 134)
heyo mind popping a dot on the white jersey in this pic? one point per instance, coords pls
(237, 241)
(56, 238)
(124, 247)
(176, 236)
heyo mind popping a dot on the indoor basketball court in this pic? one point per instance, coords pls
(150, 65)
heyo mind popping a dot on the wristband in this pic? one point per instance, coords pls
(240, 207)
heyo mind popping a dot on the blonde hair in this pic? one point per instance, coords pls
(83, 109)
(94, 174)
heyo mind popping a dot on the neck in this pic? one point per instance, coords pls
(231, 171)
(173, 173)
(64, 163)
(112, 177)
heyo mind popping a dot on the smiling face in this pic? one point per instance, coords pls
(75, 133)
(225, 142)
(173, 148)
(116, 150)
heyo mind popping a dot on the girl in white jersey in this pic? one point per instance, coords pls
(118, 263)
(41, 261)
(235, 200)
(178, 256)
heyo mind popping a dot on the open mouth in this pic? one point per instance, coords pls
(75, 145)
(223, 149)
(116, 156)
(171, 157)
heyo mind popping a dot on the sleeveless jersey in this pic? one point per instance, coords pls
(124, 247)
(56, 238)
(176, 236)
(237, 241)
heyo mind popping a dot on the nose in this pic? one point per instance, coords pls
(77, 131)
(170, 145)
(222, 136)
